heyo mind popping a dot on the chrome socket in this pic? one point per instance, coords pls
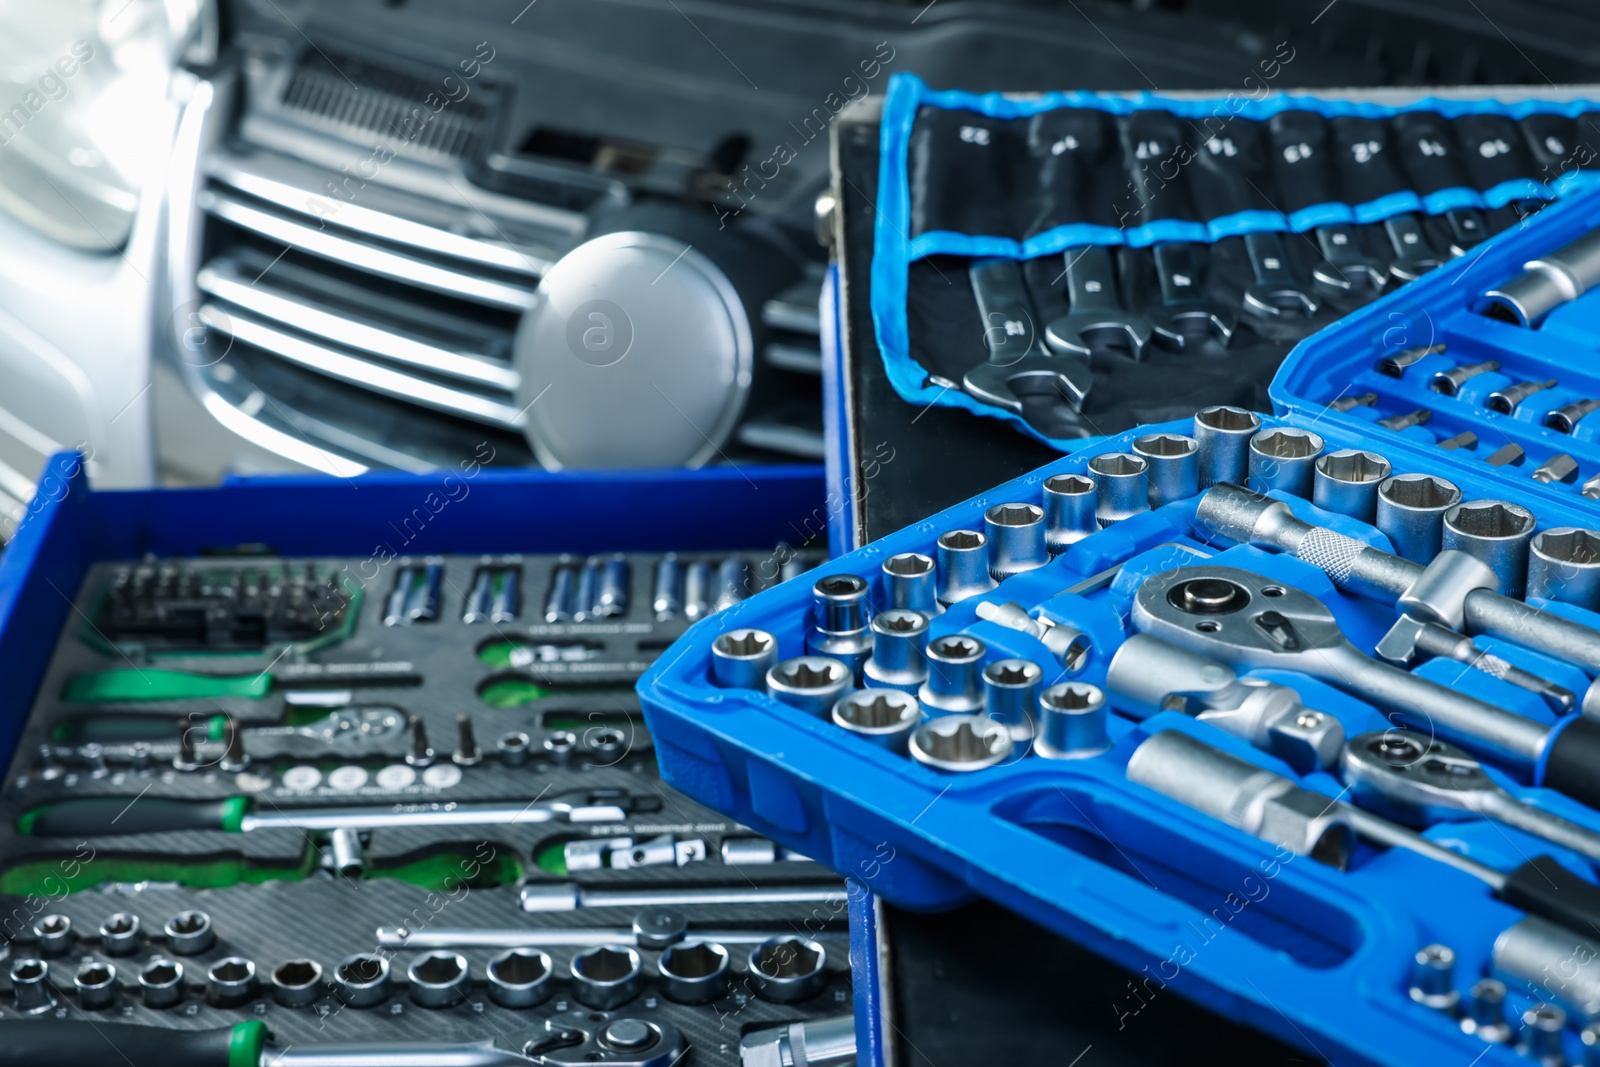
(740, 659)
(1496, 533)
(697, 596)
(1542, 1027)
(119, 934)
(693, 972)
(231, 982)
(1449, 382)
(788, 969)
(346, 852)
(1284, 458)
(1346, 481)
(1506, 401)
(840, 624)
(1566, 419)
(611, 593)
(189, 933)
(1174, 463)
(52, 935)
(811, 683)
(438, 979)
(899, 647)
(362, 980)
(733, 583)
(560, 745)
(1433, 974)
(911, 582)
(666, 598)
(96, 984)
(884, 717)
(161, 983)
(1016, 539)
(520, 978)
(1224, 434)
(955, 670)
(297, 983)
(1564, 565)
(513, 748)
(961, 743)
(1485, 1017)
(1011, 695)
(1069, 503)
(1072, 721)
(1124, 489)
(606, 976)
(30, 985)
(963, 565)
(1410, 513)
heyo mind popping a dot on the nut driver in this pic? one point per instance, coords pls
(1276, 292)
(1419, 780)
(1182, 301)
(1247, 620)
(652, 928)
(1017, 355)
(1093, 306)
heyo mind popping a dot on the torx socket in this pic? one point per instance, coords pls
(1284, 458)
(1449, 382)
(362, 980)
(1395, 363)
(1345, 403)
(697, 596)
(740, 659)
(520, 978)
(1564, 565)
(1485, 1017)
(1433, 973)
(1069, 503)
(899, 644)
(1566, 419)
(1506, 401)
(606, 976)
(161, 982)
(839, 622)
(1011, 695)
(96, 984)
(1072, 721)
(788, 969)
(1410, 513)
(561, 602)
(1173, 460)
(1495, 532)
(955, 675)
(297, 983)
(52, 935)
(30, 985)
(1224, 435)
(513, 748)
(911, 582)
(1124, 487)
(231, 982)
(884, 717)
(667, 598)
(1346, 481)
(810, 683)
(1407, 419)
(1466, 439)
(438, 979)
(959, 744)
(119, 934)
(963, 565)
(1560, 469)
(733, 583)
(1016, 539)
(1544, 284)
(693, 972)
(189, 933)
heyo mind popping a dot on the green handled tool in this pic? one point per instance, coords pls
(162, 684)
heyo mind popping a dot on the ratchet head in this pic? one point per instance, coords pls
(1070, 333)
(1004, 385)
(1415, 779)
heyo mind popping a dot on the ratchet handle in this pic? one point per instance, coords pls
(1544, 888)
(115, 816)
(1572, 760)
(61, 1043)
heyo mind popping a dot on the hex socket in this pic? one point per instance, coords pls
(1069, 503)
(362, 980)
(96, 984)
(1433, 974)
(520, 978)
(1346, 481)
(810, 683)
(1284, 458)
(1072, 721)
(1495, 532)
(1124, 489)
(1410, 513)
(899, 643)
(1506, 401)
(1016, 539)
(296, 983)
(230, 982)
(161, 982)
(52, 935)
(740, 659)
(1565, 419)
(606, 976)
(788, 969)
(963, 565)
(30, 985)
(955, 668)
(438, 979)
(513, 748)
(693, 972)
(189, 933)
(884, 717)
(961, 743)
(1223, 434)
(1174, 462)
(1564, 565)
(911, 582)
(1011, 694)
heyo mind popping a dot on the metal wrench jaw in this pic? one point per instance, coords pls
(1069, 333)
(1416, 779)
(1170, 320)
(992, 383)
(1354, 276)
(1271, 300)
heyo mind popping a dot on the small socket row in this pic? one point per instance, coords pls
(187, 933)
(1536, 1034)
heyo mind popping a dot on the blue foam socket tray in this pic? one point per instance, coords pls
(1320, 957)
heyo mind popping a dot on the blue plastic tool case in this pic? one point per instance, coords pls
(1319, 957)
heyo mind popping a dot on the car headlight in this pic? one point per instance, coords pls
(82, 89)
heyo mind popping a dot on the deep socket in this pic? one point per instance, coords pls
(297, 983)
(1069, 503)
(1072, 721)
(588, 590)
(911, 582)
(30, 985)
(955, 670)
(561, 602)
(438, 979)
(1347, 480)
(1174, 466)
(520, 978)
(740, 659)
(899, 644)
(1449, 382)
(733, 583)
(1566, 419)
(52, 935)
(1496, 533)
(96, 984)
(1410, 513)
(1016, 539)
(788, 969)
(810, 683)
(231, 982)
(963, 565)
(1564, 565)
(606, 977)
(1011, 695)
(961, 743)
(693, 972)
(840, 626)
(1224, 435)
(884, 717)
(362, 980)
(1284, 457)
(161, 982)
(611, 592)
(666, 600)
(189, 933)
(1124, 489)
(1544, 284)
(697, 595)
(1433, 974)
(119, 934)
(1506, 401)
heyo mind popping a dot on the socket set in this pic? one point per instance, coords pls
(1292, 714)
(421, 823)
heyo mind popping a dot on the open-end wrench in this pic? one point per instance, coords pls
(1419, 780)
(1182, 301)
(1245, 619)
(1346, 266)
(1017, 356)
(1094, 306)
(1276, 292)
(1414, 256)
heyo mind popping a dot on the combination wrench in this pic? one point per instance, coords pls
(1182, 302)
(1093, 306)
(1017, 355)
